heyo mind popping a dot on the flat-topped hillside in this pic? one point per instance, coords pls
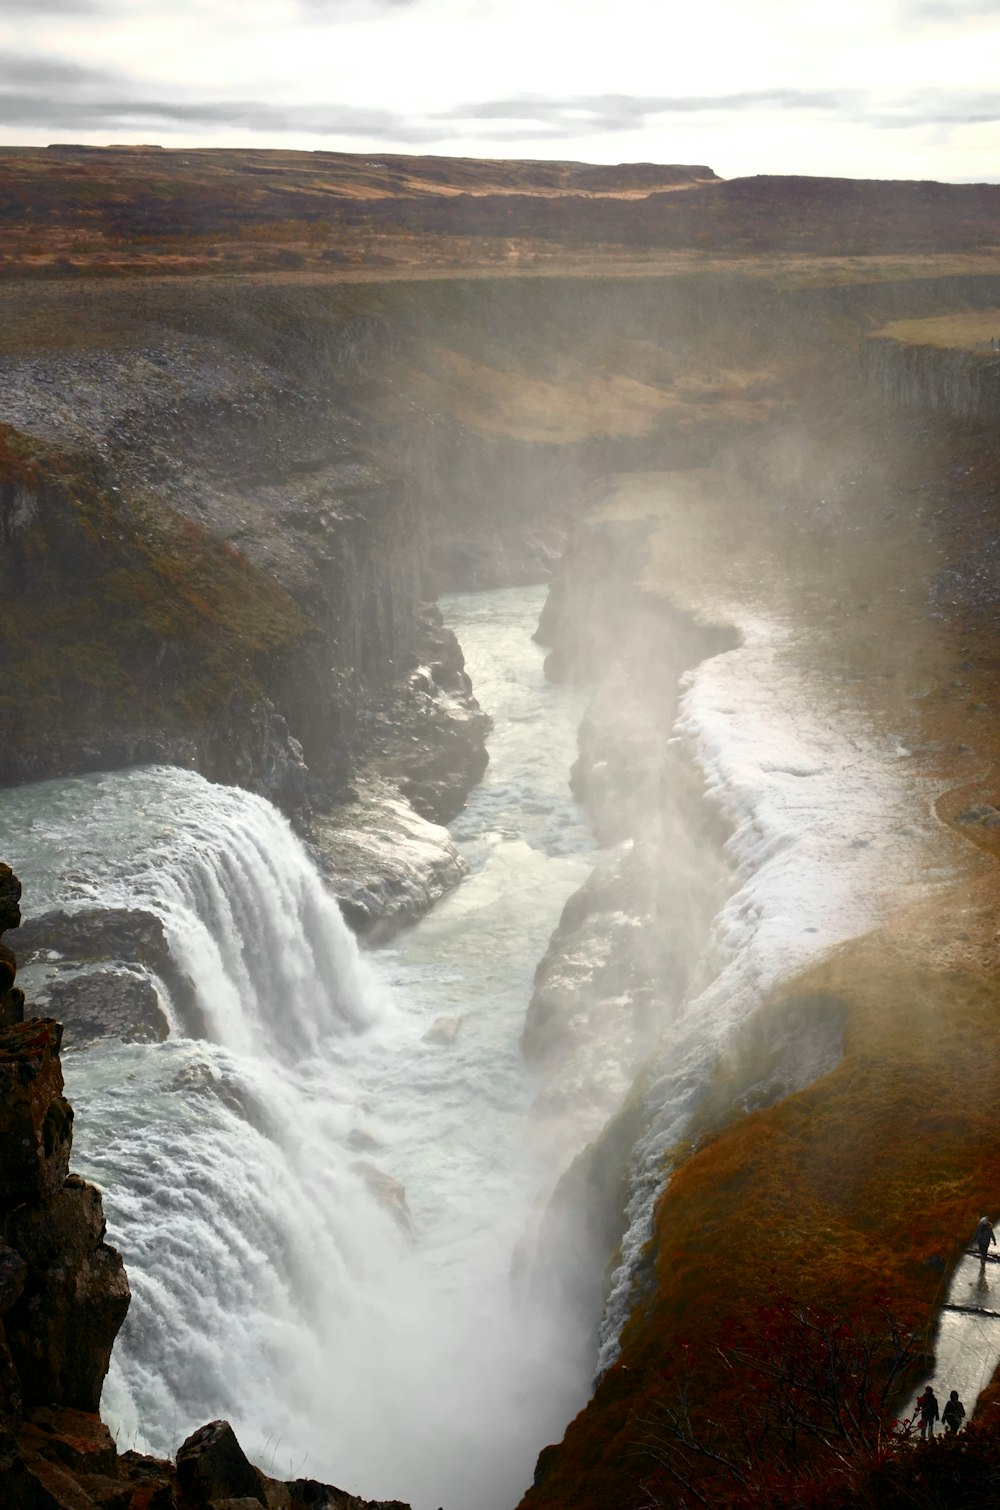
(67, 210)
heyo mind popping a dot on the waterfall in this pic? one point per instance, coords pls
(227, 1163)
(352, 1332)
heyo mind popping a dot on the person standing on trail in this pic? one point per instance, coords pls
(928, 1408)
(984, 1236)
(954, 1412)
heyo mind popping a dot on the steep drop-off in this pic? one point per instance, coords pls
(841, 1148)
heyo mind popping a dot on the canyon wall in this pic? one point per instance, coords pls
(926, 377)
(233, 507)
(231, 504)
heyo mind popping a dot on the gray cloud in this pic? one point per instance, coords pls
(949, 10)
(335, 10)
(51, 94)
(38, 8)
(51, 7)
(529, 116)
(620, 112)
(114, 113)
(935, 109)
(25, 71)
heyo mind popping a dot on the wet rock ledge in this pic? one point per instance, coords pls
(63, 1297)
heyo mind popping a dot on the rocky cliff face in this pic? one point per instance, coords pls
(965, 384)
(63, 1298)
(229, 503)
(633, 649)
(63, 1290)
(227, 571)
(621, 959)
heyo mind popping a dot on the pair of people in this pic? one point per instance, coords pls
(954, 1411)
(953, 1414)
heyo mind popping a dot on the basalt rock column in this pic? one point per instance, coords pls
(63, 1290)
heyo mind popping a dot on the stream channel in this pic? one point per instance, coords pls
(318, 1200)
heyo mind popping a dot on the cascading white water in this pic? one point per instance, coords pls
(242, 1172)
(831, 833)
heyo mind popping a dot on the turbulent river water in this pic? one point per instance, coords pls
(281, 1279)
(319, 1199)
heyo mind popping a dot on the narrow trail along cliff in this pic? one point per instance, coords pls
(745, 433)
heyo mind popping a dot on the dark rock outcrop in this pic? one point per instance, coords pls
(63, 1290)
(111, 999)
(120, 1004)
(11, 996)
(212, 1466)
(61, 1330)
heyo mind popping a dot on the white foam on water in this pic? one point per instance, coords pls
(830, 828)
(245, 1174)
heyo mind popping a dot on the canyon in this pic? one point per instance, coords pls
(745, 433)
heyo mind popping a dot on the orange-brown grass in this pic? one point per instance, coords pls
(962, 330)
(868, 1182)
(507, 400)
(18, 467)
(871, 1180)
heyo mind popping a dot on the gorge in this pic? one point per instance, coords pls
(274, 539)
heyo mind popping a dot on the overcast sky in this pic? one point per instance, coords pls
(859, 88)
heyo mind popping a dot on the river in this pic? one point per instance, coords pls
(318, 1202)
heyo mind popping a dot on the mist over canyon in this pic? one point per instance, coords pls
(499, 688)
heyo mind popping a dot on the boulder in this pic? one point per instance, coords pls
(11, 1007)
(37, 1484)
(212, 1466)
(11, 1402)
(444, 1030)
(107, 1494)
(153, 1481)
(307, 1494)
(111, 937)
(118, 1004)
(8, 968)
(389, 1193)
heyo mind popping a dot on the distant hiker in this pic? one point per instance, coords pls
(954, 1412)
(928, 1408)
(984, 1236)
